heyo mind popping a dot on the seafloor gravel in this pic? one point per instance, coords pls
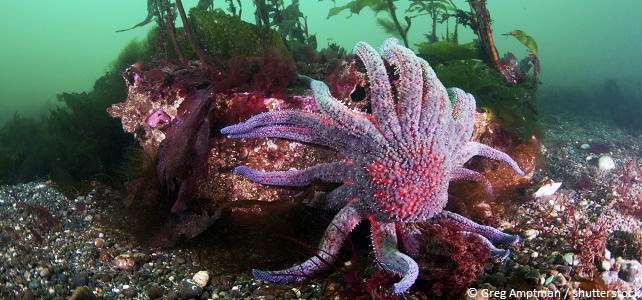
(585, 237)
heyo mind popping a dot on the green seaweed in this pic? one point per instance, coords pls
(77, 140)
(443, 51)
(152, 11)
(391, 26)
(439, 11)
(137, 51)
(224, 36)
(525, 39)
(514, 107)
(19, 159)
(355, 7)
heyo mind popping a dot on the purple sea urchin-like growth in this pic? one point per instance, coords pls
(400, 160)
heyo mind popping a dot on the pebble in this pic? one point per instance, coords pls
(154, 291)
(201, 278)
(44, 273)
(110, 265)
(80, 279)
(34, 285)
(630, 271)
(609, 277)
(62, 278)
(188, 289)
(82, 293)
(129, 293)
(235, 292)
(530, 233)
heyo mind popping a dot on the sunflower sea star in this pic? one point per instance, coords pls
(400, 160)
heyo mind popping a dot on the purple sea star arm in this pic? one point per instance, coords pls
(381, 99)
(435, 102)
(340, 115)
(340, 142)
(346, 220)
(494, 235)
(467, 174)
(384, 239)
(495, 154)
(283, 117)
(330, 172)
(464, 114)
(409, 87)
(338, 198)
(499, 254)
(296, 125)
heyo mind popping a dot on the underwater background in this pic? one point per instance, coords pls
(55, 47)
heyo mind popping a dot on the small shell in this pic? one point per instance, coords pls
(547, 189)
(606, 163)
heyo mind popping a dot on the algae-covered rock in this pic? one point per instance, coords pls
(224, 36)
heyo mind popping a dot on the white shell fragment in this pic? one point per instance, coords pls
(547, 189)
(606, 163)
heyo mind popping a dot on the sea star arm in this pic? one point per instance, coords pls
(381, 99)
(408, 87)
(463, 113)
(299, 126)
(340, 115)
(434, 101)
(493, 235)
(495, 154)
(384, 239)
(338, 198)
(467, 174)
(330, 172)
(495, 253)
(284, 117)
(337, 141)
(411, 240)
(346, 220)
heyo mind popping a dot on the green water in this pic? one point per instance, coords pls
(49, 47)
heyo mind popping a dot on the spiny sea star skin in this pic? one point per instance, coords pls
(401, 158)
